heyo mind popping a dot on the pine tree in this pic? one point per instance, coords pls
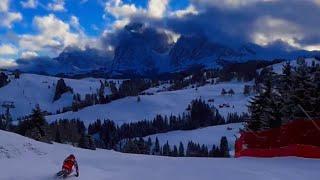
(271, 116)
(38, 121)
(246, 90)
(224, 147)
(217, 152)
(102, 98)
(231, 92)
(149, 145)
(166, 150)
(256, 106)
(265, 108)
(316, 93)
(131, 147)
(302, 91)
(61, 88)
(175, 151)
(204, 151)
(190, 149)
(58, 136)
(3, 79)
(181, 150)
(212, 151)
(156, 149)
(83, 142)
(142, 146)
(91, 143)
(286, 89)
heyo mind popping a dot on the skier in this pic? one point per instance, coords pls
(67, 166)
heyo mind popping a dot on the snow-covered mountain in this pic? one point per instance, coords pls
(139, 50)
(24, 158)
(70, 61)
(147, 51)
(189, 50)
(83, 60)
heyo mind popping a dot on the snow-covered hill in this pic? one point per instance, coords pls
(208, 136)
(164, 103)
(23, 158)
(277, 68)
(30, 90)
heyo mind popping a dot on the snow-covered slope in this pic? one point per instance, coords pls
(23, 158)
(164, 103)
(31, 89)
(277, 68)
(208, 136)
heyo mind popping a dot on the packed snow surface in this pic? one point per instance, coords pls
(23, 158)
(128, 109)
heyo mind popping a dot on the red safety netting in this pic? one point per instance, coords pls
(298, 138)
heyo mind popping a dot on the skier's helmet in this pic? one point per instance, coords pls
(71, 156)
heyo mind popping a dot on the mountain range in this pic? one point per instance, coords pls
(142, 50)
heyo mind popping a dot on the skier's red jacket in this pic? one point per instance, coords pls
(69, 162)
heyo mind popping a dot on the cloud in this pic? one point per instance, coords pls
(121, 23)
(8, 49)
(125, 12)
(234, 22)
(138, 34)
(269, 30)
(119, 9)
(7, 63)
(53, 35)
(29, 4)
(29, 55)
(74, 22)
(57, 5)
(229, 4)
(157, 8)
(7, 17)
(190, 10)
(4, 5)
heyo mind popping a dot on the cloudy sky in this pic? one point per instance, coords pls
(30, 28)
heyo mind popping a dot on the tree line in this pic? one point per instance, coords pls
(141, 146)
(199, 115)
